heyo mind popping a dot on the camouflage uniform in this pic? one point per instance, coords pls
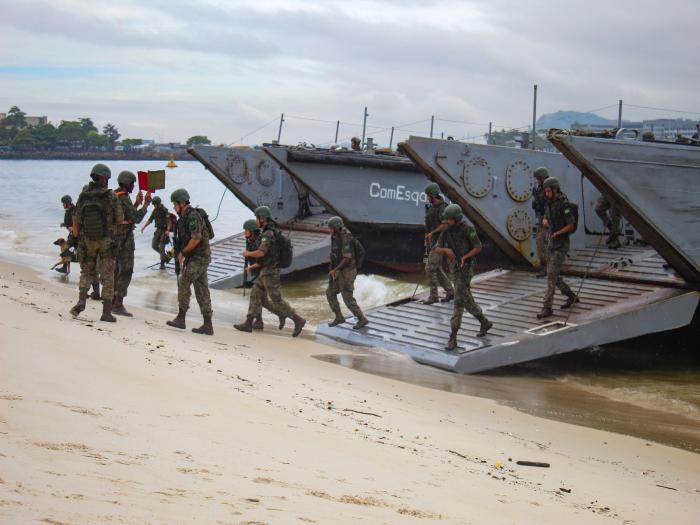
(161, 218)
(190, 225)
(434, 266)
(539, 204)
(559, 215)
(268, 282)
(252, 243)
(612, 221)
(124, 243)
(344, 283)
(462, 238)
(96, 255)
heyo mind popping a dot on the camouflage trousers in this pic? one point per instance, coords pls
(612, 221)
(97, 262)
(266, 293)
(436, 274)
(343, 284)
(194, 273)
(158, 244)
(463, 297)
(123, 263)
(555, 260)
(541, 244)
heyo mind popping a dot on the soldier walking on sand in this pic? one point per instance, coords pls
(560, 221)
(268, 281)
(461, 244)
(194, 256)
(96, 215)
(124, 239)
(433, 227)
(68, 212)
(539, 204)
(341, 277)
(161, 236)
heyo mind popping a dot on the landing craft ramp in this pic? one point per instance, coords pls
(626, 293)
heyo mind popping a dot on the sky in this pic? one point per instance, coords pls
(169, 69)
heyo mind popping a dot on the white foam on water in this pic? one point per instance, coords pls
(370, 291)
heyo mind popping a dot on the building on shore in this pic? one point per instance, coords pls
(30, 121)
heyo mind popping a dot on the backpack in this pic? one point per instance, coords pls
(205, 217)
(574, 211)
(94, 217)
(285, 250)
(359, 253)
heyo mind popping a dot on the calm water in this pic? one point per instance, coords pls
(648, 387)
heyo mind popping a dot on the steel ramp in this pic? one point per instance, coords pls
(609, 311)
(310, 238)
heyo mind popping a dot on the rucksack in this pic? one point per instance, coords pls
(285, 250)
(203, 214)
(359, 253)
(574, 211)
(94, 216)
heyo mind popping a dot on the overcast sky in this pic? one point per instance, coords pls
(168, 69)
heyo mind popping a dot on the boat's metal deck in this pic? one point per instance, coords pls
(310, 239)
(511, 300)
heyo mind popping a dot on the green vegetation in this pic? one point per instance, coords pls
(198, 139)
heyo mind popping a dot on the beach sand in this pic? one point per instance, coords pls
(136, 422)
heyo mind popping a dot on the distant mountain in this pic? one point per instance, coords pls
(564, 119)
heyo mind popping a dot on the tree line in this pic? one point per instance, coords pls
(69, 135)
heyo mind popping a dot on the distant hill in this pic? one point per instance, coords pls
(564, 119)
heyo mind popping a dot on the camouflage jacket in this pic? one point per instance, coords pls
(539, 202)
(559, 215)
(131, 214)
(190, 225)
(160, 217)
(114, 212)
(342, 243)
(461, 238)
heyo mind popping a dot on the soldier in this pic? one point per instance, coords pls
(69, 211)
(97, 213)
(194, 256)
(252, 268)
(611, 222)
(560, 221)
(433, 227)
(268, 281)
(124, 239)
(342, 274)
(460, 243)
(161, 236)
(539, 204)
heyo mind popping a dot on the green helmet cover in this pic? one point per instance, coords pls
(156, 201)
(101, 170)
(541, 172)
(335, 222)
(250, 224)
(180, 195)
(432, 189)
(125, 178)
(263, 211)
(453, 211)
(66, 199)
(551, 182)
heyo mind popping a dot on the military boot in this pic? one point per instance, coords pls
(258, 323)
(80, 305)
(162, 265)
(245, 326)
(572, 300)
(431, 299)
(299, 323)
(545, 312)
(452, 342)
(339, 319)
(206, 328)
(485, 326)
(448, 297)
(179, 321)
(95, 292)
(612, 242)
(118, 307)
(107, 312)
(62, 269)
(361, 323)
(283, 320)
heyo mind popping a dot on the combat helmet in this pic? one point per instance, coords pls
(541, 173)
(432, 189)
(66, 199)
(100, 170)
(250, 225)
(263, 211)
(156, 201)
(126, 178)
(453, 211)
(551, 182)
(335, 222)
(180, 195)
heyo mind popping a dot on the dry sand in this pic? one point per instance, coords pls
(135, 422)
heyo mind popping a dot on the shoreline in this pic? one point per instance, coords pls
(107, 156)
(140, 422)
